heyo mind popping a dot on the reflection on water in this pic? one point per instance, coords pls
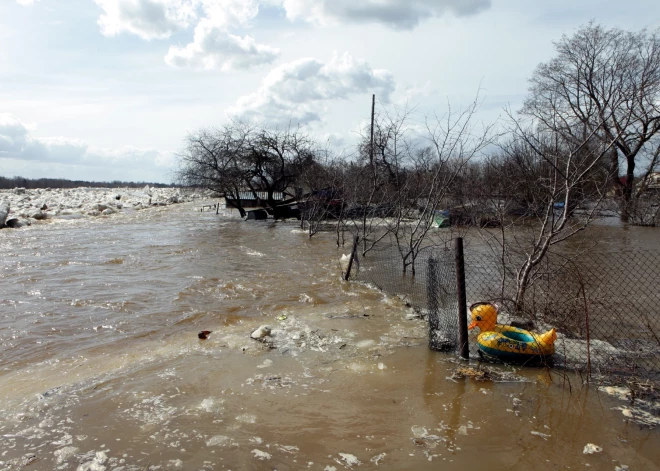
(101, 367)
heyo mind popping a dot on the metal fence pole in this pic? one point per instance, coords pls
(432, 302)
(464, 349)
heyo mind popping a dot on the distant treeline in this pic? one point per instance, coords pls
(29, 183)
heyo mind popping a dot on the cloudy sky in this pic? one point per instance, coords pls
(107, 89)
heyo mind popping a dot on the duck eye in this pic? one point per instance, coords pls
(478, 318)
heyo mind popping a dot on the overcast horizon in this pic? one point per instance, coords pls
(104, 90)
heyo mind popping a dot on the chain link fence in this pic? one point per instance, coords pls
(605, 306)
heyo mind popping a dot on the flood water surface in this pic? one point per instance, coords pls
(101, 367)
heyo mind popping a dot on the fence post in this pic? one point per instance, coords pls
(350, 261)
(464, 349)
(432, 302)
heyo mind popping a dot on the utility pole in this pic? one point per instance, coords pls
(371, 147)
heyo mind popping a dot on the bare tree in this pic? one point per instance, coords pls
(322, 198)
(605, 83)
(215, 159)
(277, 158)
(563, 175)
(409, 172)
(454, 141)
(238, 158)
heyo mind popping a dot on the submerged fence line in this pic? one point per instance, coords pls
(605, 307)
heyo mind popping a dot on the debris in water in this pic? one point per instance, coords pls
(590, 449)
(350, 460)
(204, 334)
(378, 458)
(479, 373)
(482, 373)
(544, 436)
(220, 440)
(247, 418)
(283, 317)
(261, 455)
(639, 416)
(96, 464)
(261, 332)
(419, 431)
(65, 453)
(211, 405)
(644, 406)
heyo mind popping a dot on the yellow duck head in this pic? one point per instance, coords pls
(484, 316)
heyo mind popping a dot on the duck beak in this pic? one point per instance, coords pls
(472, 326)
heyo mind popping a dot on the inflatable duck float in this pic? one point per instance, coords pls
(506, 342)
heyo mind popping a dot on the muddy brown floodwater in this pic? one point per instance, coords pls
(101, 367)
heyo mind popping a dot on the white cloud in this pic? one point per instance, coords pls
(226, 14)
(17, 144)
(397, 14)
(148, 19)
(213, 48)
(26, 2)
(213, 45)
(298, 91)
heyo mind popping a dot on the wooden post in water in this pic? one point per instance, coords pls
(464, 348)
(353, 255)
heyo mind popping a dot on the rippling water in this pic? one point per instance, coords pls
(101, 367)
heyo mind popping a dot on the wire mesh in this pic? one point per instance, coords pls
(428, 285)
(605, 306)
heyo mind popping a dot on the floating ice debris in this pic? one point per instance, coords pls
(357, 367)
(261, 455)
(208, 405)
(261, 332)
(65, 453)
(620, 392)
(267, 362)
(350, 460)
(66, 439)
(544, 436)
(98, 327)
(590, 449)
(378, 458)
(462, 430)
(419, 431)
(247, 418)
(288, 449)
(640, 413)
(639, 416)
(96, 464)
(175, 463)
(623, 467)
(219, 440)
(381, 366)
